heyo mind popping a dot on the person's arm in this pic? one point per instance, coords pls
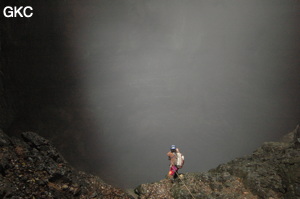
(169, 155)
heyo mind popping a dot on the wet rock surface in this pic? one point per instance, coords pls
(32, 168)
(272, 171)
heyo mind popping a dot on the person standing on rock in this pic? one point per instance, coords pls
(176, 162)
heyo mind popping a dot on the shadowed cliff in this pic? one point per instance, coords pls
(32, 168)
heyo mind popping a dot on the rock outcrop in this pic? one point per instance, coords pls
(272, 171)
(32, 168)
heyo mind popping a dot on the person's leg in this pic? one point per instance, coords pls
(171, 173)
(176, 173)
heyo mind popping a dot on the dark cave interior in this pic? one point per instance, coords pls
(41, 84)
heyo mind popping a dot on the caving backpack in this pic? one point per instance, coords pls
(179, 160)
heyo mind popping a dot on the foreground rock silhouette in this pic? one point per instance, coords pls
(270, 172)
(32, 168)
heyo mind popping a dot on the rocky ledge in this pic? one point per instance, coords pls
(270, 172)
(32, 168)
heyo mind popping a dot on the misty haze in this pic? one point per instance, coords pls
(215, 78)
(212, 77)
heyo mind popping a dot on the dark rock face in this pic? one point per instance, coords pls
(32, 168)
(272, 171)
(7, 112)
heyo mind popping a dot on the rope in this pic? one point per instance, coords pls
(185, 186)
